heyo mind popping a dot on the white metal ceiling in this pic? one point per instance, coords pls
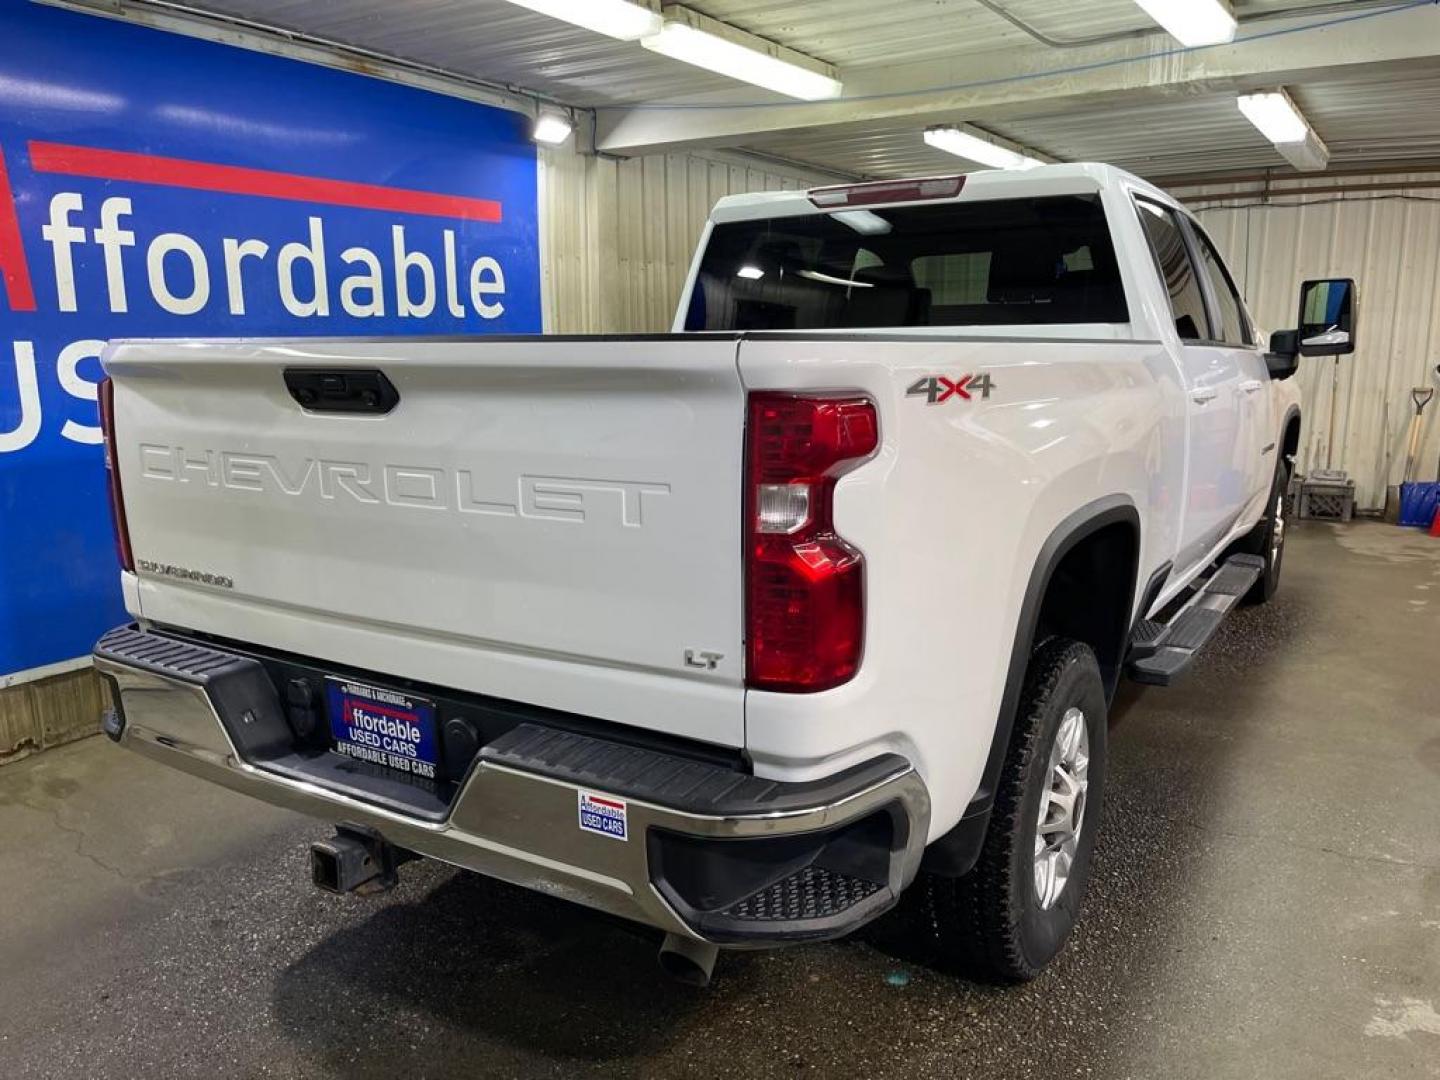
(1362, 120)
(1384, 118)
(861, 33)
(503, 43)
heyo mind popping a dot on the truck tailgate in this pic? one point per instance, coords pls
(549, 520)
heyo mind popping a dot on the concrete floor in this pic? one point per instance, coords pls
(1266, 903)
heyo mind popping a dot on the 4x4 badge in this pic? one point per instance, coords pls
(936, 389)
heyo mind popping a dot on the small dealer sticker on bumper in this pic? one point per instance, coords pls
(606, 816)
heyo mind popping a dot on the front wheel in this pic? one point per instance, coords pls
(1010, 916)
(1268, 540)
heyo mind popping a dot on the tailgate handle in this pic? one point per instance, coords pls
(342, 390)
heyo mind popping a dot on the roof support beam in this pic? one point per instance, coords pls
(1032, 81)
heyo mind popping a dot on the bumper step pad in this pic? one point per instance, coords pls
(1161, 652)
(166, 656)
(694, 787)
(812, 892)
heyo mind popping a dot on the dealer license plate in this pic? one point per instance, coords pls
(384, 727)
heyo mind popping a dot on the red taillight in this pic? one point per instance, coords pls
(804, 585)
(112, 470)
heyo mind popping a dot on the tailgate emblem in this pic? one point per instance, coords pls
(703, 659)
(184, 573)
(937, 389)
(579, 499)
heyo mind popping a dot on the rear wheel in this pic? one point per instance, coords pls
(1268, 540)
(1010, 916)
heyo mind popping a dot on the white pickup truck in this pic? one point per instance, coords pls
(737, 631)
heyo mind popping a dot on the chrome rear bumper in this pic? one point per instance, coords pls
(515, 816)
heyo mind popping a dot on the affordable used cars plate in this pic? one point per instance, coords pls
(386, 727)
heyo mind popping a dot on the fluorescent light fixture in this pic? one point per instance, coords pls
(552, 129)
(973, 148)
(1310, 155)
(750, 273)
(1279, 119)
(715, 46)
(1275, 115)
(863, 222)
(1193, 22)
(626, 20)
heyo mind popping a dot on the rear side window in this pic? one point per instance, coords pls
(1172, 259)
(1000, 262)
(1235, 329)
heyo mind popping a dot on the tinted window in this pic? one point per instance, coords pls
(1172, 258)
(1003, 262)
(1235, 329)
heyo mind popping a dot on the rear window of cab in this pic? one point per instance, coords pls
(996, 262)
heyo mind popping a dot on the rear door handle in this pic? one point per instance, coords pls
(1204, 395)
(1252, 386)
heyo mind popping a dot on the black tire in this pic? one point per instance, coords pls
(1262, 541)
(990, 923)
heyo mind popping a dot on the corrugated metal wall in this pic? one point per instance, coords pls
(1389, 241)
(616, 236)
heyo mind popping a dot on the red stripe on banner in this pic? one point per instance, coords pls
(235, 180)
(606, 802)
(13, 268)
(383, 710)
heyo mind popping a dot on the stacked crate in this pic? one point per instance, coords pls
(1326, 495)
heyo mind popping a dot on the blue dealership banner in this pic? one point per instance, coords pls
(154, 185)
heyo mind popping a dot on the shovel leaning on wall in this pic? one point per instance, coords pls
(1421, 396)
(1417, 500)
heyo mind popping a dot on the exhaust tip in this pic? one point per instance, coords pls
(687, 960)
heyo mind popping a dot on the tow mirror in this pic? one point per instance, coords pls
(1327, 317)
